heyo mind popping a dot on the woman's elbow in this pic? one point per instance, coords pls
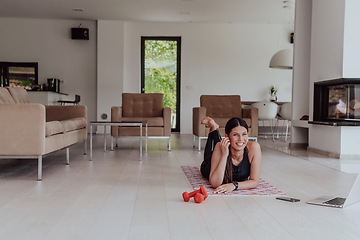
(215, 184)
(255, 183)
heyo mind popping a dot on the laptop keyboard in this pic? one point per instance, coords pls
(336, 201)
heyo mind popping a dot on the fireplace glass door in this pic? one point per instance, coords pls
(344, 102)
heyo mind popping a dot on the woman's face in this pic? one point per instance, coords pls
(238, 138)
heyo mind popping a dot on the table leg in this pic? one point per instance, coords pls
(91, 142)
(85, 147)
(112, 143)
(104, 138)
(141, 141)
(146, 137)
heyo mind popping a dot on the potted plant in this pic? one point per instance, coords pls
(273, 91)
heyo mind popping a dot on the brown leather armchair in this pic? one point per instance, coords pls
(221, 108)
(144, 107)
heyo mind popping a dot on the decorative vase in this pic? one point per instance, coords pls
(273, 98)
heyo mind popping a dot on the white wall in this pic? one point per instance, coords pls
(325, 138)
(301, 69)
(216, 59)
(327, 40)
(110, 55)
(351, 39)
(49, 43)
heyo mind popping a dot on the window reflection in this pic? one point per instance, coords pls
(23, 75)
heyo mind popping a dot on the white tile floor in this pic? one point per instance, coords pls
(118, 197)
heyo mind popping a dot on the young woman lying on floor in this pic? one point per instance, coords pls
(232, 162)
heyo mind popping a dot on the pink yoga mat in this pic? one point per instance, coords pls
(196, 180)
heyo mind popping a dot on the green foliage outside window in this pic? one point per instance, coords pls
(160, 70)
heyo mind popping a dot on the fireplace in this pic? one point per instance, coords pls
(337, 102)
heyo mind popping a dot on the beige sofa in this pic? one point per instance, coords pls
(221, 108)
(33, 130)
(144, 107)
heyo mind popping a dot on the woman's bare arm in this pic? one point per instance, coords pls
(218, 162)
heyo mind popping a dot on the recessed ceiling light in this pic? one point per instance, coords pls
(78, 9)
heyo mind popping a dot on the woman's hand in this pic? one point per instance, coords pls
(225, 188)
(224, 146)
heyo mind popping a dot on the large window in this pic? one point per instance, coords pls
(16, 74)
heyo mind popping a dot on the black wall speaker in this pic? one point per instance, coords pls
(292, 37)
(80, 33)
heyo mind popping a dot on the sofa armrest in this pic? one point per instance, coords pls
(252, 113)
(167, 121)
(22, 129)
(198, 114)
(60, 113)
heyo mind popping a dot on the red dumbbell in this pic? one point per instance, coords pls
(199, 198)
(202, 190)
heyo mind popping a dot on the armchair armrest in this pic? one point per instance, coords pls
(116, 113)
(198, 114)
(252, 113)
(60, 113)
(167, 121)
(23, 129)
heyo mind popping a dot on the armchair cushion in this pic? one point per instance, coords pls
(151, 122)
(222, 106)
(142, 105)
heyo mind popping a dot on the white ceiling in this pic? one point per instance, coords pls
(210, 11)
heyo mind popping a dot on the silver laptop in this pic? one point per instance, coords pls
(339, 202)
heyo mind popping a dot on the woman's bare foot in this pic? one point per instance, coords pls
(208, 121)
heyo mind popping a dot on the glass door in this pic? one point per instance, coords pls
(160, 72)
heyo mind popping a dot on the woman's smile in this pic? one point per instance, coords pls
(238, 137)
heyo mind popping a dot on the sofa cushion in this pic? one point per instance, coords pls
(53, 127)
(73, 124)
(151, 121)
(19, 95)
(5, 96)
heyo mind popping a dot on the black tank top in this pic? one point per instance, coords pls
(242, 171)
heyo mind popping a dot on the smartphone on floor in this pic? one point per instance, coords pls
(288, 199)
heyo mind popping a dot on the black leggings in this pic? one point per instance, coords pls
(213, 138)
